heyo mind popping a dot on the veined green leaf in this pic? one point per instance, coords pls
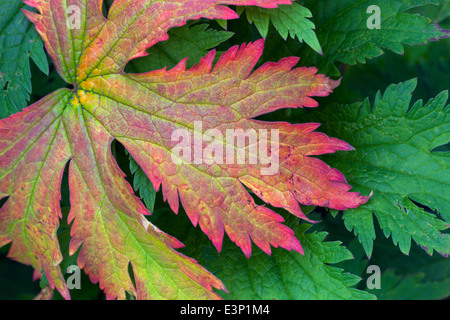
(288, 275)
(395, 158)
(345, 30)
(19, 42)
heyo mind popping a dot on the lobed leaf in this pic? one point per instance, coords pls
(19, 42)
(193, 41)
(288, 275)
(396, 158)
(142, 111)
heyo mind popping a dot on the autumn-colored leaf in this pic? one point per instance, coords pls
(142, 112)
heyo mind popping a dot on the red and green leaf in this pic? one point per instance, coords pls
(141, 111)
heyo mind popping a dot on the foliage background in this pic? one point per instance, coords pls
(413, 276)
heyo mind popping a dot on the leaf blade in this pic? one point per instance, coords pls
(339, 20)
(19, 43)
(288, 21)
(395, 159)
(109, 226)
(30, 217)
(153, 156)
(289, 275)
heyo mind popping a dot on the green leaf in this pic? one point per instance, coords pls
(436, 268)
(345, 37)
(394, 157)
(417, 276)
(222, 23)
(142, 112)
(288, 20)
(143, 184)
(429, 63)
(186, 41)
(19, 42)
(288, 275)
(411, 287)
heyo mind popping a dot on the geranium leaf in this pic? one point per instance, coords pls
(396, 158)
(411, 287)
(345, 32)
(109, 218)
(288, 21)
(308, 277)
(142, 112)
(186, 41)
(221, 196)
(19, 42)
